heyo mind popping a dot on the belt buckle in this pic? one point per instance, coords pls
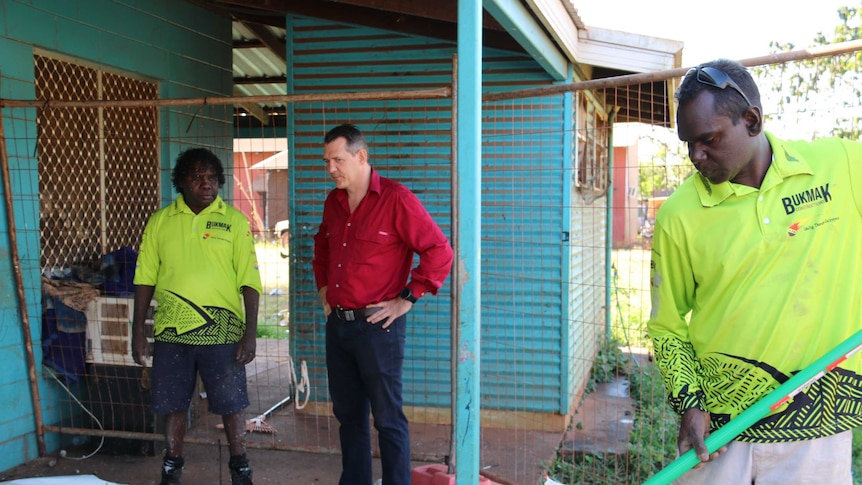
(348, 315)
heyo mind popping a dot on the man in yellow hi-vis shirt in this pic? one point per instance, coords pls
(755, 275)
(197, 257)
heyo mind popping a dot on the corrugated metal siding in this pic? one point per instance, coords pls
(410, 142)
(521, 249)
(587, 285)
(586, 325)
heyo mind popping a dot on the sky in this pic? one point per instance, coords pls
(735, 29)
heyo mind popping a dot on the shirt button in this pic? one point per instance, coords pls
(766, 220)
(348, 224)
(344, 244)
(336, 285)
(339, 265)
(760, 198)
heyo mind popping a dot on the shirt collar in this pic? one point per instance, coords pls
(786, 162)
(179, 206)
(373, 186)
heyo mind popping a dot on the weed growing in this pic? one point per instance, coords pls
(652, 443)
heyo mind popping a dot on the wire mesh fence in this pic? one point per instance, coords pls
(569, 194)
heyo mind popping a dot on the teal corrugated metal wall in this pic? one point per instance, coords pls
(523, 252)
(409, 142)
(184, 48)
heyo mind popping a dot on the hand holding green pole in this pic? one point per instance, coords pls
(761, 408)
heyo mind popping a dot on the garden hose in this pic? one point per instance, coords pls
(761, 408)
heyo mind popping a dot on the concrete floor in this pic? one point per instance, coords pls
(207, 465)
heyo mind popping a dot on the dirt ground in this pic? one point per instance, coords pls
(205, 465)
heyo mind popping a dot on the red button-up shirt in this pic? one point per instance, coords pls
(365, 257)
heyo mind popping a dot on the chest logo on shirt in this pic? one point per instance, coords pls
(220, 226)
(802, 225)
(806, 199)
(796, 226)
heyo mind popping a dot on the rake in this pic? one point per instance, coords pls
(258, 423)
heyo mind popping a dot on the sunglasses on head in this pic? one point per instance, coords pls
(717, 78)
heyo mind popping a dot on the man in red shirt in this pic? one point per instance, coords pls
(363, 255)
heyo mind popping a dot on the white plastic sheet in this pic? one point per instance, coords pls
(69, 480)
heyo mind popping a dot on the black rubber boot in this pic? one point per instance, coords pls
(240, 471)
(172, 471)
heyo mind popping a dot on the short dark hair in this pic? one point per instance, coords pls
(188, 159)
(354, 137)
(727, 102)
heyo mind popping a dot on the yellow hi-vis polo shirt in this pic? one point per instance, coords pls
(198, 264)
(772, 280)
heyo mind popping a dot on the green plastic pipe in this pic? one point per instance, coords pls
(767, 404)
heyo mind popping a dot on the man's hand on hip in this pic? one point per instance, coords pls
(389, 310)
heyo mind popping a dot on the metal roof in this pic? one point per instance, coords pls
(257, 69)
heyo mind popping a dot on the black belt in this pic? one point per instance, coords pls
(357, 314)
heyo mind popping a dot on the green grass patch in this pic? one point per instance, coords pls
(273, 317)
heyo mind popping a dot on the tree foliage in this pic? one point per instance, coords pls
(824, 92)
(801, 99)
(666, 169)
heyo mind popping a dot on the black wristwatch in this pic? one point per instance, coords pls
(407, 294)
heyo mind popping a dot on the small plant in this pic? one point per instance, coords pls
(652, 443)
(857, 456)
(610, 363)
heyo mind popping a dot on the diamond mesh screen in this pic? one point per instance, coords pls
(98, 167)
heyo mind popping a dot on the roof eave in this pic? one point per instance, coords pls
(626, 51)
